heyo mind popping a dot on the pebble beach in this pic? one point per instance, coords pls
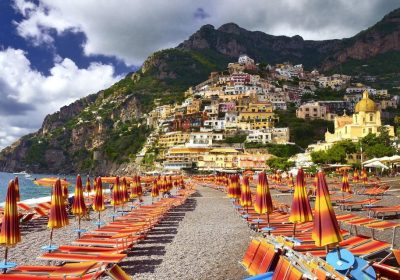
(204, 238)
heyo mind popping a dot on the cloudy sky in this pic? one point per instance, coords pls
(53, 52)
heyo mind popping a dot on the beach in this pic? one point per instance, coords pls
(203, 238)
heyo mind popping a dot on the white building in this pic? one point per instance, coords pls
(245, 60)
(269, 135)
(279, 105)
(217, 125)
(204, 139)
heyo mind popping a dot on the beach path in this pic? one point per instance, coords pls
(202, 239)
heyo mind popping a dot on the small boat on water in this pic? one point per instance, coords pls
(21, 173)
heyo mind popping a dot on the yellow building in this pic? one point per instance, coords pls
(219, 158)
(366, 119)
(194, 106)
(174, 138)
(184, 157)
(257, 111)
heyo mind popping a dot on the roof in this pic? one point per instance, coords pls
(188, 150)
(224, 150)
(365, 104)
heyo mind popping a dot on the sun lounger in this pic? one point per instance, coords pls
(384, 211)
(285, 270)
(250, 253)
(369, 248)
(361, 203)
(265, 258)
(71, 271)
(82, 270)
(388, 271)
(82, 257)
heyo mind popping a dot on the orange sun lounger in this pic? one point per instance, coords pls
(81, 257)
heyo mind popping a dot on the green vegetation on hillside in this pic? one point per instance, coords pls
(303, 132)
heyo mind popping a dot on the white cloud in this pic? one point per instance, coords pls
(131, 30)
(27, 96)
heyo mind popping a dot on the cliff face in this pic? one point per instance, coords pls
(102, 132)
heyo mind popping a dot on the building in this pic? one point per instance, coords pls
(216, 125)
(311, 110)
(244, 59)
(219, 159)
(174, 138)
(204, 139)
(366, 119)
(178, 158)
(256, 112)
(252, 161)
(269, 135)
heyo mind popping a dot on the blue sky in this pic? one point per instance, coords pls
(53, 52)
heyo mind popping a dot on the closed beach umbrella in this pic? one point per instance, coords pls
(134, 188)
(139, 186)
(58, 217)
(65, 191)
(154, 190)
(79, 207)
(245, 195)
(88, 186)
(364, 176)
(291, 182)
(98, 201)
(300, 211)
(345, 183)
(17, 194)
(263, 202)
(356, 177)
(10, 233)
(236, 186)
(124, 191)
(326, 228)
(116, 193)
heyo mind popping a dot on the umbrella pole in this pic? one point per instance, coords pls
(98, 225)
(5, 259)
(338, 252)
(79, 226)
(51, 237)
(114, 212)
(294, 229)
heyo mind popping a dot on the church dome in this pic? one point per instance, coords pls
(365, 104)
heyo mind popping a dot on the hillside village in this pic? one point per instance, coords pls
(229, 122)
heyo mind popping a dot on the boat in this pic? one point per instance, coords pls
(21, 173)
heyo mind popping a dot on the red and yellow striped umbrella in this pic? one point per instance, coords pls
(58, 214)
(124, 191)
(300, 211)
(356, 177)
(345, 183)
(364, 176)
(65, 191)
(291, 181)
(49, 182)
(116, 198)
(326, 228)
(263, 202)
(136, 188)
(17, 194)
(10, 233)
(236, 186)
(78, 206)
(139, 185)
(245, 194)
(98, 201)
(88, 186)
(154, 189)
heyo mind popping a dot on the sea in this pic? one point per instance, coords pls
(30, 193)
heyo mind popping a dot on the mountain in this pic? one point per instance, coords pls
(102, 133)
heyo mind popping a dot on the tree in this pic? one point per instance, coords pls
(280, 163)
(336, 154)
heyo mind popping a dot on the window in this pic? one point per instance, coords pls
(371, 117)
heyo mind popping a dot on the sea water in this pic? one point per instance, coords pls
(31, 193)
